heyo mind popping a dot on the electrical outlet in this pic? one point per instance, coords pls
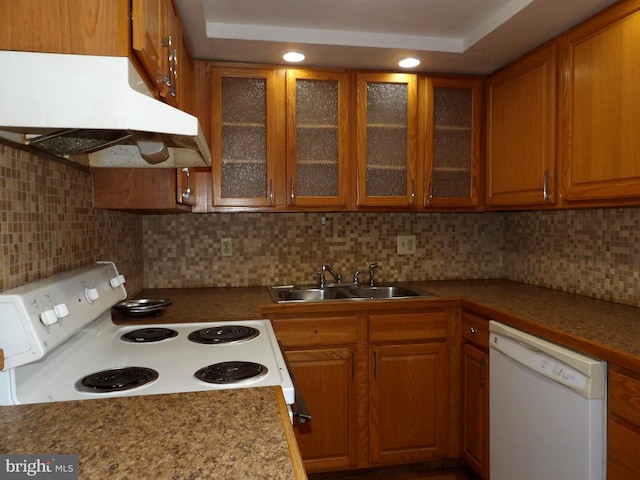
(226, 247)
(406, 244)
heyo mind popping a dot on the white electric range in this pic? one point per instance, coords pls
(61, 344)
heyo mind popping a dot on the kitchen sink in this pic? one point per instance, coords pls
(311, 294)
(293, 293)
(386, 291)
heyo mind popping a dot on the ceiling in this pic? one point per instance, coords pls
(455, 36)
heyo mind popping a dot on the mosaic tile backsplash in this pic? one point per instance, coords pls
(48, 225)
(281, 248)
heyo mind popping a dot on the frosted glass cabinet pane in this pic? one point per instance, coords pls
(452, 142)
(317, 138)
(244, 138)
(386, 139)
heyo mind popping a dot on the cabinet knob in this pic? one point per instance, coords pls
(472, 330)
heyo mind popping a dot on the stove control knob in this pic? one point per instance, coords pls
(61, 310)
(115, 282)
(48, 317)
(91, 294)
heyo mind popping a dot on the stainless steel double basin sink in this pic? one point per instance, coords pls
(293, 293)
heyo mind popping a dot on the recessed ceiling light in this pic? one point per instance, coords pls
(409, 62)
(293, 57)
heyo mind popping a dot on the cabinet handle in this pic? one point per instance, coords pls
(271, 191)
(292, 193)
(472, 330)
(187, 193)
(430, 192)
(545, 186)
(483, 364)
(413, 192)
(171, 78)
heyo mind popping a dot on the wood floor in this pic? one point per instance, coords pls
(406, 473)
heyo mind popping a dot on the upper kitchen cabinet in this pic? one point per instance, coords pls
(521, 132)
(386, 140)
(148, 190)
(600, 101)
(247, 131)
(453, 143)
(158, 43)
(317, 123)
(98, 27)
(147, 31)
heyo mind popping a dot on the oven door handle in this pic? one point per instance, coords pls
(299, 406)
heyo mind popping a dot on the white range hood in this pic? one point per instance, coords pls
(68, 105)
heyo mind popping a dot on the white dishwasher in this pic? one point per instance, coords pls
(547, 409)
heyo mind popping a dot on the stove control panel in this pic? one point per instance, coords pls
(39, 316)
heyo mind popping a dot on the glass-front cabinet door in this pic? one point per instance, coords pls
(453, 142)
(386, 139)
(317, 138)
(245, 137)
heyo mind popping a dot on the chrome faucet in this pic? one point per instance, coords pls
(356, 278)
(337, 276)
(372, 279)
(321, 280)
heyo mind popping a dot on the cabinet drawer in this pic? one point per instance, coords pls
(300, 332)
(623, 461)
(475, 329)
(624, 397)
(433, 325)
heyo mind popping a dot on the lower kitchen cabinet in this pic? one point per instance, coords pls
(623, 425)
(322, 353)
(408, 386)
(379, 381)
(325, 376)
(475, 393)
(408, 402)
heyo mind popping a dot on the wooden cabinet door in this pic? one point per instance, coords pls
(98, 27)
(453, 131)
(246, 137)
(408, 398)
(623, 425)
(521, 131)
(386, 127)
(599, 107)
(317, 113)
(157, 189)
(326, 378)
(475, 409)
(150, 38)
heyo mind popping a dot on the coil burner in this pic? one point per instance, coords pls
(231, 372)
(116, 380)
(149, 335)
(223, 334)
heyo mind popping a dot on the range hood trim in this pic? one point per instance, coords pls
(47, 92)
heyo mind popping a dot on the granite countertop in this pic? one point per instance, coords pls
(604, 329)
(223, 434)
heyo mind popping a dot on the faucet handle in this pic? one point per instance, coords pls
(372, 280)
(356, 279)
(321, 279)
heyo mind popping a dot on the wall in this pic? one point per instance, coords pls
(48, 224)
(594, 252)
(288, 247)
